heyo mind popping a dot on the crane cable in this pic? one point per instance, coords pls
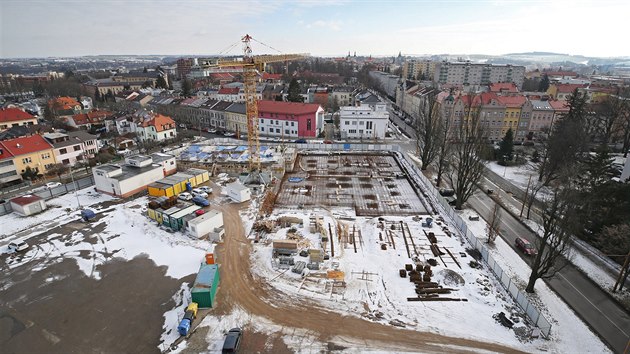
(270, 47)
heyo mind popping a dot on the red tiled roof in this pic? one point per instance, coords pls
(90, 117)
(228, 91)
(63, 103)
(568, 88)
(503, 86)
(218, 76)
(268, 76)
(27, 145)
(512, 101)
(559, 105)
(25, 199)
(5, 154)
(13, 115)
(483, 98)
(160, 122)
(287, 107)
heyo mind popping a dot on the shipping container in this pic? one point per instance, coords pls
(159, 189)
(205, 287)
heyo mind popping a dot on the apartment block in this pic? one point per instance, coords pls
(469, 74)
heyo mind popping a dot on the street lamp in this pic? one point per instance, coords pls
(76, 194)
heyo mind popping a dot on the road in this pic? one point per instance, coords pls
(607, 318)
(240, 288)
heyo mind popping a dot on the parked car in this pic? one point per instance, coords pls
(51, 185)
(232, 341)
(300, 141)
(18, 246)
(197, 192)
(200, 212)
(206, 189)
(200, 201)
(212, 131)
(185, 196)
(328, 142)
(525, 246)
(229, 134)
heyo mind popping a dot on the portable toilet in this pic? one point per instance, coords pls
(188, 186)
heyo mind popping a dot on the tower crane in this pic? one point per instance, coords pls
(251, 66)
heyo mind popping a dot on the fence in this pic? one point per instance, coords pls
(521, 299)
(46, 193)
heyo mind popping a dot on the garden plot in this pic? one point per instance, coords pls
(363, 277)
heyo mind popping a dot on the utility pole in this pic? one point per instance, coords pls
(76, 193)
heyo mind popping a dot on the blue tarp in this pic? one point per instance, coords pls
(87, 214)
(295, 179)
(241, 148)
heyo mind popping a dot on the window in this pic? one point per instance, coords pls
(292, 124)
(65, 161)
(354, 122)
(63, 151)
(347, 123)
(286, 131)
(262, 129)
(27, 160)
(278, 130)
(361, 122)
(77, 148)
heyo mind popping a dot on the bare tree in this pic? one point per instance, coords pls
(444, 148)
(427, 128)
(495, 222)
(465, 162)
(553, 247)
(608, 116)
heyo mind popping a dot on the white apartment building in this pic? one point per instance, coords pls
(469, 74)
(363, 122)
(73, 147)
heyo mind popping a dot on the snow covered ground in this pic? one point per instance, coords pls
(126, 233)
(375, 291)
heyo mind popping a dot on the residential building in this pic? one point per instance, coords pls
(230, 94)
(30, 151)
(8, 171)
(563, 91)
(512, 115)
(542, 115)
(157, 128)
(14, 117)
(418, 69)
(236, 118)
(72, 147)
(342, 95)
(88, 120)
(363, 122)
(65, 106)
(290, 119)
(468, 74)
(560, 109)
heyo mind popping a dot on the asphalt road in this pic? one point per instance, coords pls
(608, 319)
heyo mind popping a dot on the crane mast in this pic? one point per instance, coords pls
(251, 66)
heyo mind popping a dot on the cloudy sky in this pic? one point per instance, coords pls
(40, 28)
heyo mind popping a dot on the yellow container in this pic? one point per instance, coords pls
(193, 307)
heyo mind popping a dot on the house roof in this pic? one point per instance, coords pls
(568, 88)
(64, 103)
(228, 91)
(236, 108)
(160, 122)
(26, 145)
(91, 117)
(512, 101)
(26, 199)
(268, 76)
(559, 105)
(14, 132)
(503, 87)
(13, 115)
(5, 154)
(287, 107)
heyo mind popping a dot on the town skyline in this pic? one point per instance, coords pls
(322, 28)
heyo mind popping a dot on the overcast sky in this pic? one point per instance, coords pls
(41, 28)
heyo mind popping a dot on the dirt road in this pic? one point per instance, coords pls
(239, 287)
